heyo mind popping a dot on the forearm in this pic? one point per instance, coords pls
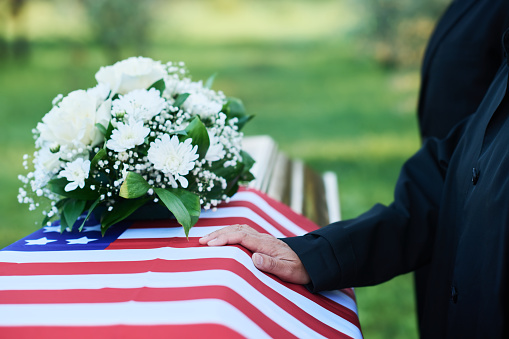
(386, 240)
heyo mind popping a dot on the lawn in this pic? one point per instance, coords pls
(320, 100)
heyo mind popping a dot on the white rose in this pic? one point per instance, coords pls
(72, 123)
(133, 73)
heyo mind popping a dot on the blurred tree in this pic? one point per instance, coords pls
(400, 29)
(14, 42)
(120, 25)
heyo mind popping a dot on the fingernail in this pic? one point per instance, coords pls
(258, 259)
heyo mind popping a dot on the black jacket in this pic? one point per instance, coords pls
(450, 211)
(461, 59)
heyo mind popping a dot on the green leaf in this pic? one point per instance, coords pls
(244, 120)
(121, 210)
(58, 186)
(234, 108)
(101, 128)
(247, 160)
(45, 220)
(180, 99)
(90, 209)
(109, 131)
(247, 177)
(192, 203)
(174, 203)
(58, 205)
(63, 223)
(134, 186)
(98, 156)
(72, 209)
(210, 81)
(180, 132)
(198, 132)
(160, 85)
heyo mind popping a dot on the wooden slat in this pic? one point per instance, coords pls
(292, 182)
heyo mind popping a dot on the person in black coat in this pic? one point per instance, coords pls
(450, 212)
(461, 60)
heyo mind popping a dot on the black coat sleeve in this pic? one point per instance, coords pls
(386, 240)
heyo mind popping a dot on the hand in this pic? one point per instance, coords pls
(271, 255)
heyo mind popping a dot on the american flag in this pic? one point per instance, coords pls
(145, 279)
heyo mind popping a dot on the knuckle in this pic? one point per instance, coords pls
(272, 264)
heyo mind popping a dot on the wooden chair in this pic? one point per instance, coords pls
(292, 182)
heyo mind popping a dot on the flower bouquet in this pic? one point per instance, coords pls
(146, 135)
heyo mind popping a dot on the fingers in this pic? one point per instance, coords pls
(239, 235)
(271, 255)
(225, 230)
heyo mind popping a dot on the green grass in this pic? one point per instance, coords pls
(319, 100)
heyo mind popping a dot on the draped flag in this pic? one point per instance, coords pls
(145, 279)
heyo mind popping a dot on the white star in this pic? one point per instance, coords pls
(80, 241)
(92, 228)
(41, 241)
(52, 229)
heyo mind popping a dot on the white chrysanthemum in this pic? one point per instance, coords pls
(202, 101)
(174, 85)
(76, 172)
(198, 103)
(173, 158)
(127, 136)
(72, 123)
(139, 104)
(130, 74)
(216, 150)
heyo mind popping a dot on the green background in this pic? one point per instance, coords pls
(308, 71)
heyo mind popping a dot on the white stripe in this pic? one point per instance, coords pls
(244, 212)
(271, 211)
(332, 196)
(169, 232)
(131, 313)
(163, 280)
(341, 298)
(167, 253)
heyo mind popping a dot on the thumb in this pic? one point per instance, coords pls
(284, 269)
(269, 264)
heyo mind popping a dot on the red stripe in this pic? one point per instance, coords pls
(296, 218)
(189, 331)
(203, 222)
(159, 265)
(146, 294)
(177, 242)
(349, 292)
(193, 242)
(286, 232)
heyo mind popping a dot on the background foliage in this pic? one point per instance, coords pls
(315, 74)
